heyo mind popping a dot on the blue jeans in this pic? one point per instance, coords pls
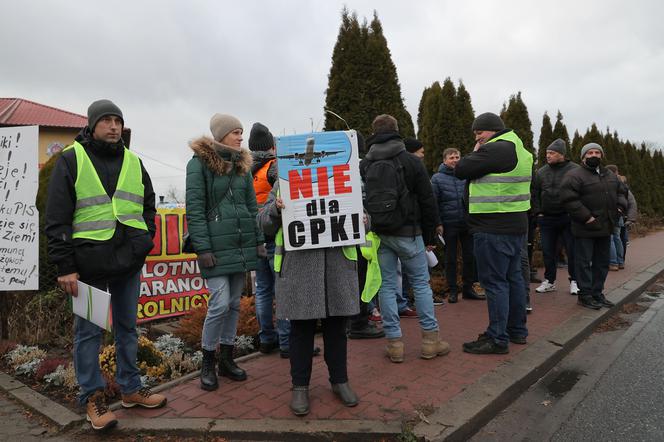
(498, 260)
(617, 252)
(553, 227)
(220, 324)
(402, 295)
(411, 252)
(264, 303)
(88, 338)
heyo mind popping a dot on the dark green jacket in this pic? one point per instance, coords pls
(219, 219)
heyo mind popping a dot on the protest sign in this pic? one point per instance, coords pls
(92, 304)
(19, 219)
(319, 181)
(171, 283)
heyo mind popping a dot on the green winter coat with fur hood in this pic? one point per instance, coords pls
(221, 207)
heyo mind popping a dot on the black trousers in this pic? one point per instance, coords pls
(591, 257)
(453, 235)
(334, 351)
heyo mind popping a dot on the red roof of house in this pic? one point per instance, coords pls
(20, 112)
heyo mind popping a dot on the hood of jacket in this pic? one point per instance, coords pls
(260, 157)
(385, 145)
(221, 160)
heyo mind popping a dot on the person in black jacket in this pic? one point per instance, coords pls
(593, 197)
(112, 264)
(553, 220)
(499, 231)
(406, 242)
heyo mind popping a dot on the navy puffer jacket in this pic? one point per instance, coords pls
(450, 193)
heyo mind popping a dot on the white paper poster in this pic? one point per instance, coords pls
(319, 181)
(19, 219)
(93, 304)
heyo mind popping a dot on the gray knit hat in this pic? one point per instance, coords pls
(221, 125)
(102, 108)
(558, 145)
(260, 138)
(587, 147)
(488, 121)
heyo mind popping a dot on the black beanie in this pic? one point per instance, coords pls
(488, 121)
(260, 138)
(102, 108)
(558, 145)
(412, 145)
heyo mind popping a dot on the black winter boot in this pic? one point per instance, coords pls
(228, 367)
(208, 376)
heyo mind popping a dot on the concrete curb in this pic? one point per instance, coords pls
(460, 417)
(61, 416)
(267, 429)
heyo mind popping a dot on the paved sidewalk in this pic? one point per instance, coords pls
(389, 393)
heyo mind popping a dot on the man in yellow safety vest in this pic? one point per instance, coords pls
(499, 170)
(100, 224)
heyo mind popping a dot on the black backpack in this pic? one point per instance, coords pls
(388, 200)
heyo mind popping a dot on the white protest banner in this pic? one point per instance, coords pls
(19, 219)
(93, 304)
(319, 181)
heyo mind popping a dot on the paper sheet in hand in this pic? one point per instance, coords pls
(93, 304)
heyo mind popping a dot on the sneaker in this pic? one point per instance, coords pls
(408, 313)
(98, 414)
(621, 266)
(143, 398)
(614, 267)
(369, 331)
(529, 307)
(546, 286)
(268, 347)
(438, 300)
(375, 315)
(470, 293)
(573, 288)
(477, 288)
(484, 345)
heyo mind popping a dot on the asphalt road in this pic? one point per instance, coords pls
(611, 388)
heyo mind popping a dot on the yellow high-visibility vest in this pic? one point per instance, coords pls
(96, 214)
(504, 192)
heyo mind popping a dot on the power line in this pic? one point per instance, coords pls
(140, 154)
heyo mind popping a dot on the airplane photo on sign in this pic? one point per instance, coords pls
(309, 155)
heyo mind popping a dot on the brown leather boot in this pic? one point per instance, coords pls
(432, 346)
(395, 349)
(143, 398)
(98, 414)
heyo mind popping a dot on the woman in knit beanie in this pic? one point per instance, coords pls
(221, 214)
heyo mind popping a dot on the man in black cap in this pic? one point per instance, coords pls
(499, 170)
(553, 220)
(100, 224)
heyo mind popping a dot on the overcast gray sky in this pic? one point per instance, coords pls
(171, 65)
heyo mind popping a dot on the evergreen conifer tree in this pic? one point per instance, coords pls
(363, 79)
(465, 114)
(515, 116)
(560, 130)
(545, 139)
